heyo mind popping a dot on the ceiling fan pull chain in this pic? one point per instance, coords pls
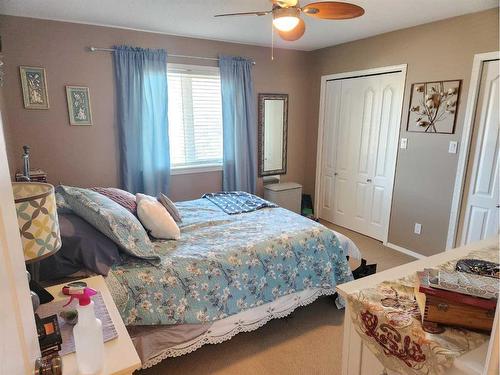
(272, 42)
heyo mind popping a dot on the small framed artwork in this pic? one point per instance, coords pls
(34, 85)
(433, 107)
(80, 112)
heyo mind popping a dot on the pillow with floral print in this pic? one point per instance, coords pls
(111, 219)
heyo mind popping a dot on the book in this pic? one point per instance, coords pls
(465, 283)
(426, 287)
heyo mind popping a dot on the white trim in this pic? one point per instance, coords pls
(464, 149)
(365, 72)
(195, 169)
(492, 357)
(194, 69)
(404, 251)
(322, 107)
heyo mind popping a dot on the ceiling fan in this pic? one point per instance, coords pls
(286, 15)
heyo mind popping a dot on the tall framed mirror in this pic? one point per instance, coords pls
(273, 129)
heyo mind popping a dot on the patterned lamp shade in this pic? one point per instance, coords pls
(37, 217)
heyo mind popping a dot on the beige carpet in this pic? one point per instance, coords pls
(309, 341)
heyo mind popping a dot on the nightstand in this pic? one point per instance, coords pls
(120, 357)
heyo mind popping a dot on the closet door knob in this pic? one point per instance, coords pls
(368, 180)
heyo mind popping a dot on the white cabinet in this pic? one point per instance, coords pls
(287, 195)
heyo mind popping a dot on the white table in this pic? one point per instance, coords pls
(120, 357)
(357, 358)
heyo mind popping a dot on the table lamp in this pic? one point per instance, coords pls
(38, 226)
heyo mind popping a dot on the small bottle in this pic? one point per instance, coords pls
(87, 333)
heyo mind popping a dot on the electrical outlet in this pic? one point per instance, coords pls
(418, 228)
(404, 143)
(452, 148)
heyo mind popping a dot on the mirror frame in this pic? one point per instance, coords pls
(261, 133)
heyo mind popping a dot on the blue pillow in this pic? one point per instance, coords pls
(111, 219)
(62, 206)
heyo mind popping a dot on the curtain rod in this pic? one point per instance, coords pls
(98, 49)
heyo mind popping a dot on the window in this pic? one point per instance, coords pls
(194, 117)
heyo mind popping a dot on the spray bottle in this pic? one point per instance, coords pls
(89, 343)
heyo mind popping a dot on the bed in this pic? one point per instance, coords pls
(226, 274)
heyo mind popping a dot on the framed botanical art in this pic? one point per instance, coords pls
(34, 85)
(433, 107)
(79, 109)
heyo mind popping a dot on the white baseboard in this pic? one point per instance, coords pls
(405, 251)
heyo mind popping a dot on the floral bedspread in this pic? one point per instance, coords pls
(224, 264)
(388, 320)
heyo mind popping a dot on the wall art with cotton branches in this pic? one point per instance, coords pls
(433, 107)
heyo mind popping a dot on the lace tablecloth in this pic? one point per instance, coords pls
(388, 320)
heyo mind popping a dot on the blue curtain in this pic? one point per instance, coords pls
(239, 124)
(142, 98)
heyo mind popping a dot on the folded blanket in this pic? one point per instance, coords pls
(237, 202)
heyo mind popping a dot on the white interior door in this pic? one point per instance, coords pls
(360, 132)
(482, 203)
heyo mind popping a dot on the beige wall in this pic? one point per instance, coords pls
(87, 156)
(425, 172)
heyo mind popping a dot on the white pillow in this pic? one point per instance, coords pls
(156, 219)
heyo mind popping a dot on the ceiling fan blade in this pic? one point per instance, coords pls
(285, 3)
(294, 34)
(263, 13)
(333, 10)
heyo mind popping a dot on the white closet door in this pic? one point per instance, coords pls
(383, 147)
(366, 114)
(341, 189)
(360, 136)
(332, 117)
(481, 212)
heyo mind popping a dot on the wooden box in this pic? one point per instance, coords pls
(454, 309)
(442, 311)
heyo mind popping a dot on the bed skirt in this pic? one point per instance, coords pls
(218, 331)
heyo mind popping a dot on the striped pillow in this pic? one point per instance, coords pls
(122, 197)
(170, 206)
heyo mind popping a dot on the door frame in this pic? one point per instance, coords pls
(321, 127)
(17, 319)
(464, 150)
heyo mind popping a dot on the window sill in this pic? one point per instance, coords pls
(196, 169)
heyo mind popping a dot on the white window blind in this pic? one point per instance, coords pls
(194, 116)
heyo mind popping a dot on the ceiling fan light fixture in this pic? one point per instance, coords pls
(285, 19)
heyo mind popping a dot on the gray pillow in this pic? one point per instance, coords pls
(171, 208)
(83, 248)
(111, 219)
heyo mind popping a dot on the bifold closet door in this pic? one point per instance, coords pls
(361, 126)
(482, 198)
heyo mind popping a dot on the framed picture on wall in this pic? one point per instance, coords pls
(433, 107)
(79, 110)
(34, 85)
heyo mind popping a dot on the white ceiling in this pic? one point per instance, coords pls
(195, 17)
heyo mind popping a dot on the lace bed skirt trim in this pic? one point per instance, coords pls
(246, 321)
